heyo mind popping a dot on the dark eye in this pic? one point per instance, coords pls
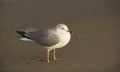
(62, 28)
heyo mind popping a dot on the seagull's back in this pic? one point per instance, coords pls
(44, 37)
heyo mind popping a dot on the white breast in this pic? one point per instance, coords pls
(64, 39)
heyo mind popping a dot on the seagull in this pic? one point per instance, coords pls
(50, 38)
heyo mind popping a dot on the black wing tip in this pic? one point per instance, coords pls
(17, 31)
(23, 34)
(20, 32)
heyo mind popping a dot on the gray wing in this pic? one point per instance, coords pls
(44, 37)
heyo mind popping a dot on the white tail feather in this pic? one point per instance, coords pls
(25, 39)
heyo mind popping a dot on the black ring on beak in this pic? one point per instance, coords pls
(70, 32)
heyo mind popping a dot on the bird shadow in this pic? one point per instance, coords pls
(36, 60)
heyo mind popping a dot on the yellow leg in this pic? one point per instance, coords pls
(54, 54)
(48, 60)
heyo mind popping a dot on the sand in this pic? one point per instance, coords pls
(95, 43)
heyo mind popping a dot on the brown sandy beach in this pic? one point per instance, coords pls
(95, 43)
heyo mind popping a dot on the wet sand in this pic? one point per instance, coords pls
(95, 43)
